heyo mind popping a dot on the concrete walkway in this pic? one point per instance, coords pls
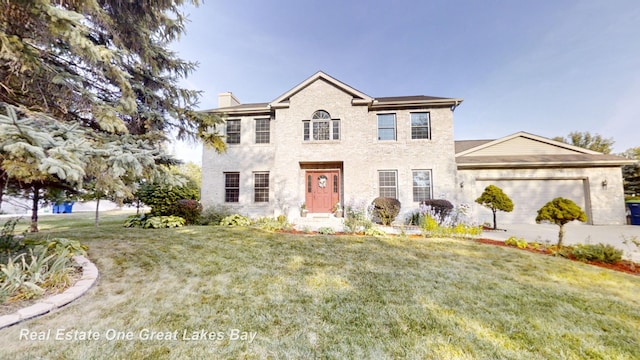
(574, 233)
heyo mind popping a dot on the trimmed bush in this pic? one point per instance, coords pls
(213, 215)
(235, 220)
(441, 208)
(189, 210)
(386, 209)
(599, 253)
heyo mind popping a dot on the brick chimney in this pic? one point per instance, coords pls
(227, 99)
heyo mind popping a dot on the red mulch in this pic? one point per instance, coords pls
(623, 266)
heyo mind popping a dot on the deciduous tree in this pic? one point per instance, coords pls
(586, 140)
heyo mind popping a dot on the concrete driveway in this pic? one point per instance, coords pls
(575, 233)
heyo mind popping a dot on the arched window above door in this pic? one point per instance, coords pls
(321, 127)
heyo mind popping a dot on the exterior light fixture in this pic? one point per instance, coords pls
(604, 183)
(461, 184)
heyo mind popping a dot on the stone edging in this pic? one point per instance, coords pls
(89, 277)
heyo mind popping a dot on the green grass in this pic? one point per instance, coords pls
(332, 297)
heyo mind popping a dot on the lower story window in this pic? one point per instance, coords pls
(231, 187)
(388, 183)
(421, 185)
(261, 187)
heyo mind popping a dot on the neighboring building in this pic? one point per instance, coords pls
(324, 143)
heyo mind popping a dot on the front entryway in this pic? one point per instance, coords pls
(322, 190)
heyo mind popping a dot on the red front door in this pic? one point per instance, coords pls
(323, 190)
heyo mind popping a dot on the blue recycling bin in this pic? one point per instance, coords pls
(56, 208)
(634, 211)
(68, 207)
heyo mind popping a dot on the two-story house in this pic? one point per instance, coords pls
(324, 143)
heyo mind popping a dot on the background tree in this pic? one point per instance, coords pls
(586, 140)
(560, 211)
(102, 69)
(631, 173)
(495, 199)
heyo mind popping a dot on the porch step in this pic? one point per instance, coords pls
(317, 221)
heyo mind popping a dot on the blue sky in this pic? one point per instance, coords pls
(545, 67)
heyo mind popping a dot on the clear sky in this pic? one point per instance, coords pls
(547, 67)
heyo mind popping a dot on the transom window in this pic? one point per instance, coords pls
(233, 131)
(386, 126)
(421, 185)
(420, 125)
(231, 187)
(321, 127)
(263, 131)
(388, 183)
(261, 187)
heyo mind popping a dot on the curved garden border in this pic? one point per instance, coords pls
(89, 277)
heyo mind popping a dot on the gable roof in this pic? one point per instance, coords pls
(358, 96)
(527, 150)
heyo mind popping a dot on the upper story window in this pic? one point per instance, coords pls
(321, 127)
(233, 131)
(420, 125)
(263, 131)
(386, 126)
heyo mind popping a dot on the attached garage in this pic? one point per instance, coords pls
(529, 195)
(533, 170)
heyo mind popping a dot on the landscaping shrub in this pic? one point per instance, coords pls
(235, 220)
(271, 224)
(45, 265)
(441, 208)
(213, 215)
(517, 242)
(374, 232)
(386, 209)
(9, 243)
(599, 253)
(163, 198)
(357, 217)
(326, 231)
(189, 210)
(154, 222)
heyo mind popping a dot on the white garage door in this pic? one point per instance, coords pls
(529, 196)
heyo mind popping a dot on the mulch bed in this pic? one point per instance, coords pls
(626, 266)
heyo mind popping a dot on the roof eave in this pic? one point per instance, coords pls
(415, 103)
(543, 164)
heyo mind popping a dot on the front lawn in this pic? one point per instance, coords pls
(213, 292)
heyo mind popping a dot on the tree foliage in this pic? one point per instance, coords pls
(585, 140)
(89, 93)
(496, 200)
(631, 173)
(561, 211)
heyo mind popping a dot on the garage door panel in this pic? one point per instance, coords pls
(529, 195)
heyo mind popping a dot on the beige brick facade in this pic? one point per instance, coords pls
(357, 154)
(531, 167)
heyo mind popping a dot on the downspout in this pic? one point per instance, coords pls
(454, 106)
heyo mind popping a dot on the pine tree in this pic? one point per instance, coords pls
(561, 211)
(100, 71)
(495, 199)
